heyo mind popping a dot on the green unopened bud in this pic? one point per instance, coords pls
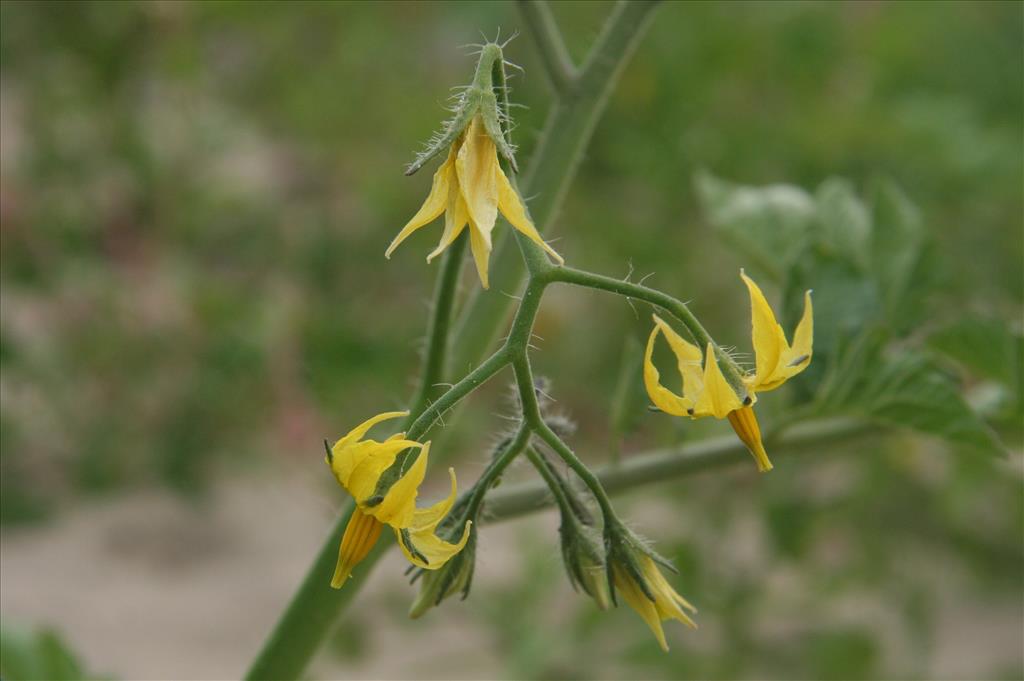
(584, 560)
(453, 577)
(633, 570)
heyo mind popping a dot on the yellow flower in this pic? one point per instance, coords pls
(706, 392)
(470, 187)
(358, 465)
(662, 603)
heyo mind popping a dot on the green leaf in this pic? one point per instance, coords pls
(843, 225)
(909, 391)
(988, 347)
(897, 240)
(770, 225)
(37, 655)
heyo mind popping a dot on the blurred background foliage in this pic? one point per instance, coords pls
(195, 199)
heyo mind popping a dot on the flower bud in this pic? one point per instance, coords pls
(583, 554)
(454, 576)
(634, 572)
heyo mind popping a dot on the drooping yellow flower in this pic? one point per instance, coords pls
(358, 465)
(470, 188)
(666, 604)
(706, 392)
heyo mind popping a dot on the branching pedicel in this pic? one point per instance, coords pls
(602, 556)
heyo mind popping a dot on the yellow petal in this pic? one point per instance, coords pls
(662, 397)
(428, 518)
(455, 220)
(636, 599)
(666, 600)
(361, 534)
(362, 482)
(511, 207)
(793, 359)
(474, 167)
(718, 397)
(744, 422)
(481, 248)
(768, 337)
(399, 502)
(359, 431)
(803, 337)
(687, 358)
(435, 204)
(425, 549)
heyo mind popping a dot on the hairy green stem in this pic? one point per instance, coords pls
(673, 306)
(558, 66)
(451, 397)
(496, 468)
(570, 125)
(554, 484)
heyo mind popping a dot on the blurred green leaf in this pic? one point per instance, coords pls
(37, 655)
(897, 237)
(769, 225)
(843, 223)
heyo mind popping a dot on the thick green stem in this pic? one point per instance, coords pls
(558, 66)
(673, 306)
(671, 463)
(313, 610)
(435, 358)
(569, 127)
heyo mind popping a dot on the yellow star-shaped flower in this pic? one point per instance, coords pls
(358, 464)
(470, 188)
(706, 392)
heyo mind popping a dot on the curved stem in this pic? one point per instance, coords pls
(558, 66)
(496, 468)
(674, 306)
(554, 484)
(451, 397)
(532, 416)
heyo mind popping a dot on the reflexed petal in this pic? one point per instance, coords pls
(435, 204)
(803, 337)
(400, 500)
(512, 208)
(481, 248)
(361, 534)
(428, 518)
(359, 431)
(455, 220)
(362, 482)
(768, 337)
(425, 549)
(687, 358)
(475, 166)
(718, 397)
(662, 397)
